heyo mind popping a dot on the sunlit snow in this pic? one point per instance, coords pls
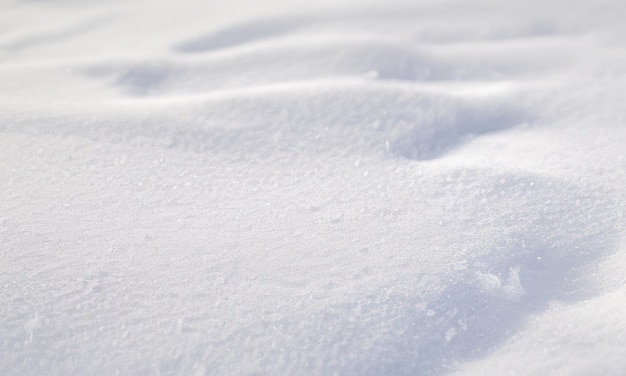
(333, 187)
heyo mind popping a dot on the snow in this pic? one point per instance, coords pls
(345, 187)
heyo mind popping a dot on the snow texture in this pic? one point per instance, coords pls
(291, 188)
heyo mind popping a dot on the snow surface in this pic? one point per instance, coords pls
(344, 187)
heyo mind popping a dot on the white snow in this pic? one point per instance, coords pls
(347, 187)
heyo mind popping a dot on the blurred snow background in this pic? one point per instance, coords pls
(285, 187)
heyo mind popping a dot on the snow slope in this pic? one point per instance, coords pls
(353, 187)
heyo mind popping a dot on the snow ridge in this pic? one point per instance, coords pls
(417, 188)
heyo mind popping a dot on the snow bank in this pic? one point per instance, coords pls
(415, 188)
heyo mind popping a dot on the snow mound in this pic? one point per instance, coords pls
(347, 188)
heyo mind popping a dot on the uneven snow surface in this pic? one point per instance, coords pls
(292, 188)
